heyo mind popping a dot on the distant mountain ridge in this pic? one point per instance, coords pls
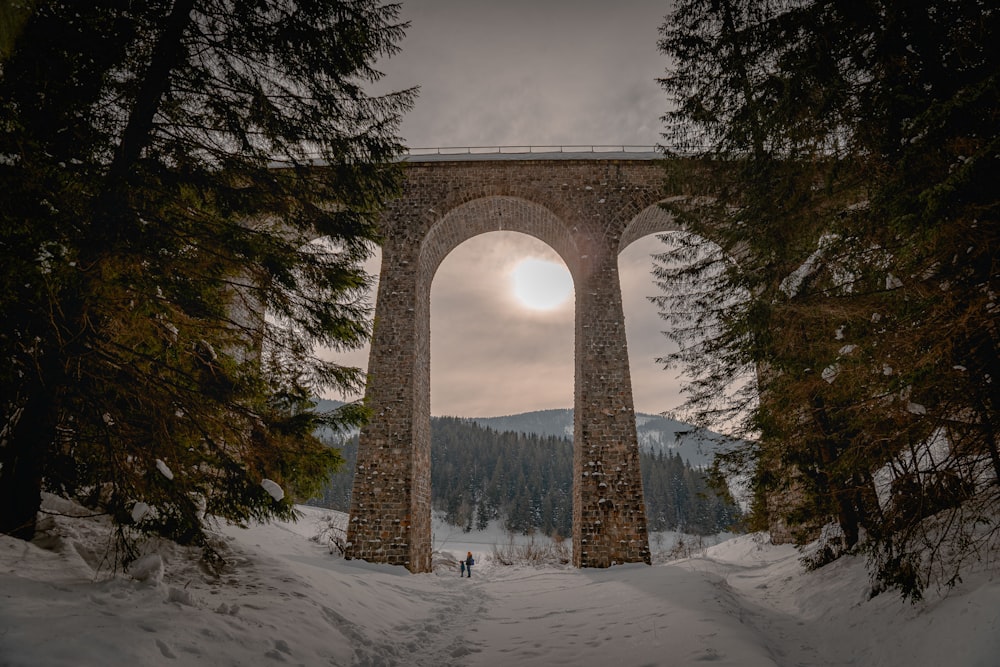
(656, 433)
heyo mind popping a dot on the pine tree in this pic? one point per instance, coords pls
(165, 171)
(852, 147)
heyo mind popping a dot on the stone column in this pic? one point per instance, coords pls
(609, 515)
(390, 501)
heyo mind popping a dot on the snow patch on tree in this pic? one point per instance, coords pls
(273, 488)
(164, 469)
(830, 373)
(793, 281)
(140, 511)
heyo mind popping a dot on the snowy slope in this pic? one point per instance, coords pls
(284, 599)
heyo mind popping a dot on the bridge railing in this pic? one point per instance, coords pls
(504, 150)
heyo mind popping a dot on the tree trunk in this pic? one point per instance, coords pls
(989, 409)
(29, 441)
(155, 83)
(843, 498)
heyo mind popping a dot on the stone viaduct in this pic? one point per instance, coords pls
(588, 208)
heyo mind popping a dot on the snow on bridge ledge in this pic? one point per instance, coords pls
(492, 153)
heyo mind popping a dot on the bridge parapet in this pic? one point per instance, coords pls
(582, 152)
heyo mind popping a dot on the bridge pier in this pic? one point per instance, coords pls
(390, 519)
(609, 514)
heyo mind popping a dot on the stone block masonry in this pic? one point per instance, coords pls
(587, 210)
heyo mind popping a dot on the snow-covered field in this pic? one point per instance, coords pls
(282, 598)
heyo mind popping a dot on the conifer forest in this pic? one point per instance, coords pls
(525, 481)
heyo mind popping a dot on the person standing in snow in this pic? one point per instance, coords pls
(469, 562)
(462, 565)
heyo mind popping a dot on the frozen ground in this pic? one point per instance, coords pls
(284, 599)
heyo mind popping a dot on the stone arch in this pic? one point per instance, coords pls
(494, 213)
(651, 220)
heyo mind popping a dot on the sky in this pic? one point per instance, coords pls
(529, 73)
(286, 597)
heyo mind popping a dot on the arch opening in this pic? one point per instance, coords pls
(647, 246)
(355, 306)
(357, 357)
(473, 218)
(650, 239)
(491, 353)
(654, 390)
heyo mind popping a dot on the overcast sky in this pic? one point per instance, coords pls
(536, 72)
(541, 73)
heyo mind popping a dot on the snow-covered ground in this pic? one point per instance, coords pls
(282, 598)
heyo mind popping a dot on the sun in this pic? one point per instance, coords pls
(540, 284)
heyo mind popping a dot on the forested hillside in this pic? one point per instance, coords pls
(478, 474)
(656, 433)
